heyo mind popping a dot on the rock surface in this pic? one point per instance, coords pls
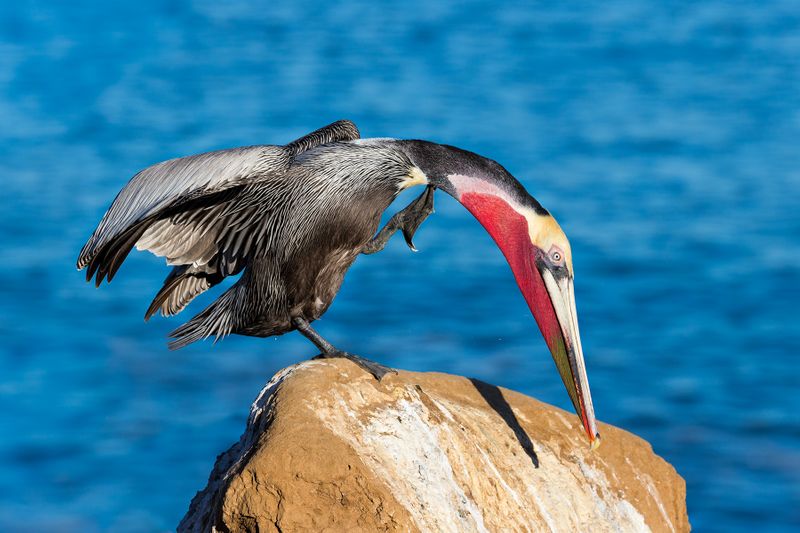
(328, 448)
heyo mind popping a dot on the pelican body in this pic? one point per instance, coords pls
(292, 219)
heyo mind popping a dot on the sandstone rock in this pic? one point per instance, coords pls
(328, 448)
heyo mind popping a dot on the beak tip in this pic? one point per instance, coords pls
(595, 442)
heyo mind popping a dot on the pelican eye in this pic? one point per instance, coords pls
(556, 256)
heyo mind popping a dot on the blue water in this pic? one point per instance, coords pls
(663, 137)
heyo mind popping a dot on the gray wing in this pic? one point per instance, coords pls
(198, 212)
(339, 131)
(161, 193)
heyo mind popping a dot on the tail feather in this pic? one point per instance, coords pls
(218, 319)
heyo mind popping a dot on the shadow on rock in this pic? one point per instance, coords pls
(494, 397)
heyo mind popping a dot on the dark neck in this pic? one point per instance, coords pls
(438, 161)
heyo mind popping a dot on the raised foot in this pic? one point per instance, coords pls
(376, 369)
(407, 220)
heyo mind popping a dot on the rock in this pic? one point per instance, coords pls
(328, 448)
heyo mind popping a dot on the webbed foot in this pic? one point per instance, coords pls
(376, 369)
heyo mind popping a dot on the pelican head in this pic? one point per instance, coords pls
(535, 246)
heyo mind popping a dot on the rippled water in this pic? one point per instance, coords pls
(663, 138)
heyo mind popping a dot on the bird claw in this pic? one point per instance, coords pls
(407, 220)
(376, 369)
(415, 214)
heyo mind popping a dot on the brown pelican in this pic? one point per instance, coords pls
(292, 219)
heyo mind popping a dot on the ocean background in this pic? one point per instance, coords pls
(664, 136)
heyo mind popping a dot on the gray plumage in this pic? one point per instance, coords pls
(291, 219)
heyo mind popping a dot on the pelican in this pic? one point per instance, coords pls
(292, 219)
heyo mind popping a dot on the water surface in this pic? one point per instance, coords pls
(663, 137)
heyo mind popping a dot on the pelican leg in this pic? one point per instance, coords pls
(328, 351)
(407, 220)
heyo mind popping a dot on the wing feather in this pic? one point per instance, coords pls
(182, 285)
(205, 214)
(339, 131)
(179, 183)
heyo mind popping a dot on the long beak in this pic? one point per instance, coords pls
(568, 353)
(551, 302)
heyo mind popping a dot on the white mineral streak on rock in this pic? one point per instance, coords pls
(613, 509)
(563, 420)
(647, 481)
(405, 452)
(261, 401)
(433, 455)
